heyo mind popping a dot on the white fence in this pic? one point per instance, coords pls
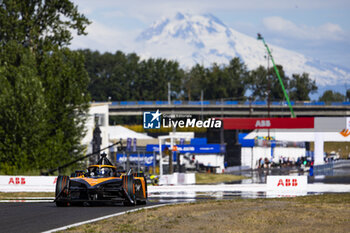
(48, 183)
(28, 183)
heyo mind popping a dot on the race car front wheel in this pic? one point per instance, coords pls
(62, 186)
(128, 185)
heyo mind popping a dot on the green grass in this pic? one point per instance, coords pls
(209, 178)
(26, 194)
(316, 213)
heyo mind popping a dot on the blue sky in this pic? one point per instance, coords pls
(320, 29)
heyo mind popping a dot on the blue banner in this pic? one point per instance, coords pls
(146, 159)
(199, 149)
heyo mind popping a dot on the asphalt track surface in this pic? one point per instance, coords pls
(39, 217)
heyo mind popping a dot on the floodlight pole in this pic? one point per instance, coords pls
(278, 75)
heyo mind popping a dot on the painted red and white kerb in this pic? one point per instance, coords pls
(27, 183)
(286, 184)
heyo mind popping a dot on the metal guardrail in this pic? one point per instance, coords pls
(324, 169)
(327, 169)
(229, 102)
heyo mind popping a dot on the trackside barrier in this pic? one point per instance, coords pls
(177, 179)
(286, 185)
(48, 183)
(28, 183)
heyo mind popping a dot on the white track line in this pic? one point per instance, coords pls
(104, 217)
(29, 198)
(25, 201)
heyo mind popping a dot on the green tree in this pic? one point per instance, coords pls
(348, 95)
(237, 75)
(108, 75)
(262, 82)
(258, 82)
(22, 110)
(276, 89)
(65, 83)
(301, 86)
(194, 82)
(217, 81)
(122, 76)
(38, 24)
(45, 83)
(153, 77)
(332, 96)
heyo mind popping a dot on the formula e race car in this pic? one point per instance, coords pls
(101, 183)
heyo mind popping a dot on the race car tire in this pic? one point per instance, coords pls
(61, 184)
(145, 181)
(142, 175)
(128, 182)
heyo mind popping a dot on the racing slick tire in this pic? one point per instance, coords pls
(62, 186)
(128, 184)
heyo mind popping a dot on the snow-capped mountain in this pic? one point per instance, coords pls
(204, 39)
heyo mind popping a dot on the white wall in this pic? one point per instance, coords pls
(28, 183)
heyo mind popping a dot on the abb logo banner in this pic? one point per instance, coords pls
(269, 123)
(27, 183)
(17, 180)
(262, 123)
(286, 184)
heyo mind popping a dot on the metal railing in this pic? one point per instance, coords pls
(229, 102)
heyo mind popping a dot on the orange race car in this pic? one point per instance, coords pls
(101, 183)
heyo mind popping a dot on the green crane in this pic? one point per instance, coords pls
(278, 75)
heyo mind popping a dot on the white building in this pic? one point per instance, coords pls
(98, 112)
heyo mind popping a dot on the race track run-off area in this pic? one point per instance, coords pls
(20, 216)
(40, 217)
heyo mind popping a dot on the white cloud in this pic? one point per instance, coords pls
(328, 31)
(104, 38)
(147, 11)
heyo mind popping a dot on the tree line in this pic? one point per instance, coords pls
(119, 76)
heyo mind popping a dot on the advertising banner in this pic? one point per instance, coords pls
(269, 123)
(27, 183)
(286, 184)
(146, 159)
(200, 149)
